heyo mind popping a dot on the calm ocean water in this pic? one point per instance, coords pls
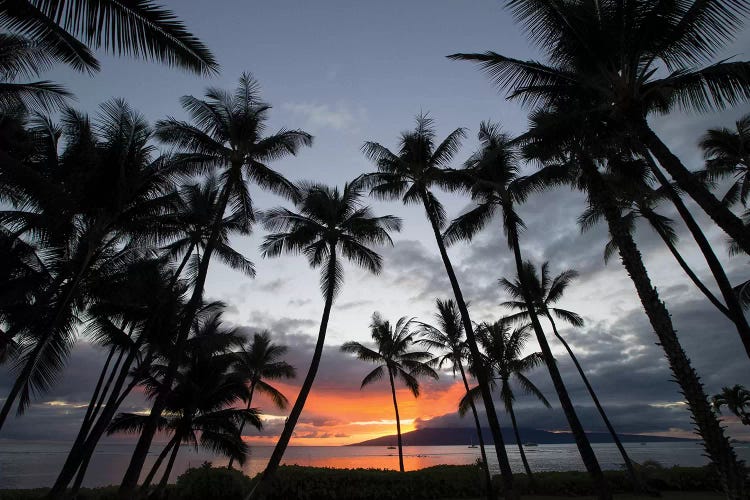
(28, 465)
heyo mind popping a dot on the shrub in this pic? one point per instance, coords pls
(212, 482)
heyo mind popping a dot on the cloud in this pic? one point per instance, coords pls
(339, 117)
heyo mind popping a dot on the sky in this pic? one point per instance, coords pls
(349, 72)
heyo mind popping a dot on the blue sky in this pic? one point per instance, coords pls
(353, 71)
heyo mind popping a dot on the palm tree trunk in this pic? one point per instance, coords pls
(133, 472)
(78, 457)
(398, 424)
(480, 438)
(512, 414)
(736, 314)
(717, 446)
(481, 374)
(582, 440)
(595, 399)
(264, 484)
(721, 214)
(152, 473)
(242, 425)
(170, 464)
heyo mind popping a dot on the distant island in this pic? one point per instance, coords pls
(451, 436)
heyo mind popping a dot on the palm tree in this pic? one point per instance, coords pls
(410, 175)
(581, 144)
(393, 356)
(736, 399)
(81, 205)
(140, 28)
(22, 58)
(447, 337)
(201, 400)
(628, 60)
(226, 137)
(503, 349)
(727, 152)
(492, 174)
(259, 361)
(546, 292)
(329, 222)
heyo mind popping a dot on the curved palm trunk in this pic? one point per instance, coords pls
(736, 314)
(264, 484)
(133, 472)
(79, 457)
(525, 461)
(152, 473)
(170, 464)
(480, 438)
(595, 399)
(717, 446)
(721, 215)
(582, 441)
(481, 374)
(398, 424)
(242, 425)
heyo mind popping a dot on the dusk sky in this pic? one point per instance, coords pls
(349, 72)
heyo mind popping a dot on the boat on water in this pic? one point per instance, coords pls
(473, 446)
(530, 444)
(391, 447)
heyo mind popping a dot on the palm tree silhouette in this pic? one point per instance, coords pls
(736, 399)
(503, 348)
(727, 153)
(492, 175)
(141, 29)
(609, 59)
(329, 222)
(394, 358)
(226, 137)
(259, 361)
(409, 175)
(546, 292)
(448, 337)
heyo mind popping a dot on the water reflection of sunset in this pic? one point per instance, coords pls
(335, 417)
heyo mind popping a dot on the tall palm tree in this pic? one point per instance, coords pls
(448, 338)
(138, 28)
(259, 361)
(629, 60)
(81, 204)
(727, 152)
(503, 347)
(492, 174)
(201, 401)
(736, 399)
(580, 143)
(546, 292)
(419, 166)
(226, 138)
(329, 223)
(394, 357)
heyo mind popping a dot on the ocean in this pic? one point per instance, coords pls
(35, 464)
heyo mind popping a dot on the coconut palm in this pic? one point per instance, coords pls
(139, 28)
(225, 138)
(736, 399)
(546, 292)
(259, 361)
(81, 205)
(727, 153)
(580, 143)
(201, 400)
(628, 60)
(492, 175)
(419, 166)
(503, 347)
(329, 223)
(448, 338)
(394, 357)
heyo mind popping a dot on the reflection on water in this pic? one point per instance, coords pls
(26, 465)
